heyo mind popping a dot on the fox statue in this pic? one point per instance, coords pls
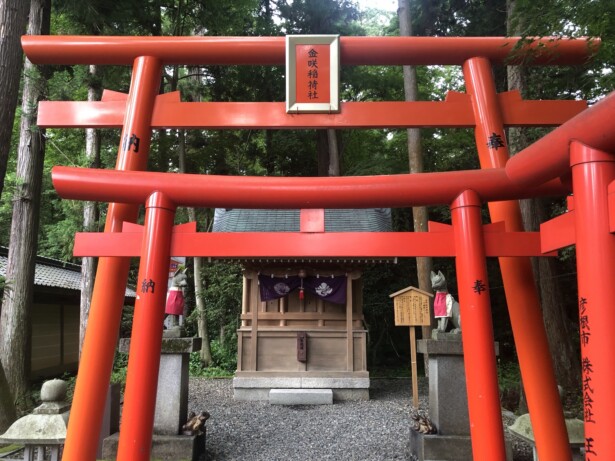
(444, 306)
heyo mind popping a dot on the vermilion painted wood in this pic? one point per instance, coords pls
(308, 245)
(454, 112)
(402, 190)
(100, 339)
(612, 207)
(558, 233)
(521, 294)
(592, 173)
(549, 156)
(57, 49)
(146, 339)
(484, 410)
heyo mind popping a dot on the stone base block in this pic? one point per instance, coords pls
(164, 447)
(258, 388)
(301, 397)
(350, 394)
(247, 394)
(435, 447)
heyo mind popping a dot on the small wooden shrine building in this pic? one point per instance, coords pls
(302, 323)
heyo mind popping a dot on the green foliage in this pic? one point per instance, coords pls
(222, 292)
(120, 367)
(71, 380)
(293, 152)
(508, 375)
(509, 380)
(126, 324)
(223, 363)
(318, 16)
(118, 376)
(387, 344)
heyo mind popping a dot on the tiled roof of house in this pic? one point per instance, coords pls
(336, 220)
(54, 273)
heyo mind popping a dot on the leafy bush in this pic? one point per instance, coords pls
(509, 380)
(120, 367)
(224, 361)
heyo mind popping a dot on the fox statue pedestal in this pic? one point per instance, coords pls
(168, 442)
(448, 406)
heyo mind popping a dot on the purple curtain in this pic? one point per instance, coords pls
(332, 289)
(277, 287)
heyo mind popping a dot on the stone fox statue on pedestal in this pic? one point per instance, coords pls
(444, 305)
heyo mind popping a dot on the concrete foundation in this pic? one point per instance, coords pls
(171, 404)
(435, 447)
(258, 388)
(172, 392)
(172, 395)
(448, 405)
(171, 447)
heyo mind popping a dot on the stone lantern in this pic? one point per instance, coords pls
(45, 429)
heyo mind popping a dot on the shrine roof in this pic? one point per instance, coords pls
(54, 273)
(280, 220)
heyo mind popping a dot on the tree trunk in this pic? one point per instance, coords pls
(322, 152)
(566, 361)
(90, 212)
(334, 157)
(200, 304)
(13, 20)
(17, 300)
(7, 409)
(198, 264)
(415, 159)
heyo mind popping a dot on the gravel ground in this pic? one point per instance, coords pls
(374, 430)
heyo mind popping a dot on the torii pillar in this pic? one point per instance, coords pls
(96, 360)
(594, 214)
(479, 354)
(524, 309)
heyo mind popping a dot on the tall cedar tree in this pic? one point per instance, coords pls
(18, 294)
(415, 159)
(13, 20)
(566, 361)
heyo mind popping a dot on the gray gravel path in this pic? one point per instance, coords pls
(374, 430)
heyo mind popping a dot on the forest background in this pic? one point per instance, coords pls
(33, 220)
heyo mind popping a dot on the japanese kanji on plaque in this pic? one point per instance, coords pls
(312, 73)
(411, 307)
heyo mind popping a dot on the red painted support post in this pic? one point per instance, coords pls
(147, 325)
(592, 171)
(521, 295)
(478, 345)
(100, 340)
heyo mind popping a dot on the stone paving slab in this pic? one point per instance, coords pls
(301, 396)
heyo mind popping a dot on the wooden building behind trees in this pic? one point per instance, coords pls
(55, 315)
(302, 323)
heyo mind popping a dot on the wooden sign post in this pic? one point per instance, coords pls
(412, 309)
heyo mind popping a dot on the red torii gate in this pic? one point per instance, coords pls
(481, 107)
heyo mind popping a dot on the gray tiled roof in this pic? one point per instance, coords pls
(336, 220)
(54, 273)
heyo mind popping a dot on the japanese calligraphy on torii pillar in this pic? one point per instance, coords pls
(312, 73)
